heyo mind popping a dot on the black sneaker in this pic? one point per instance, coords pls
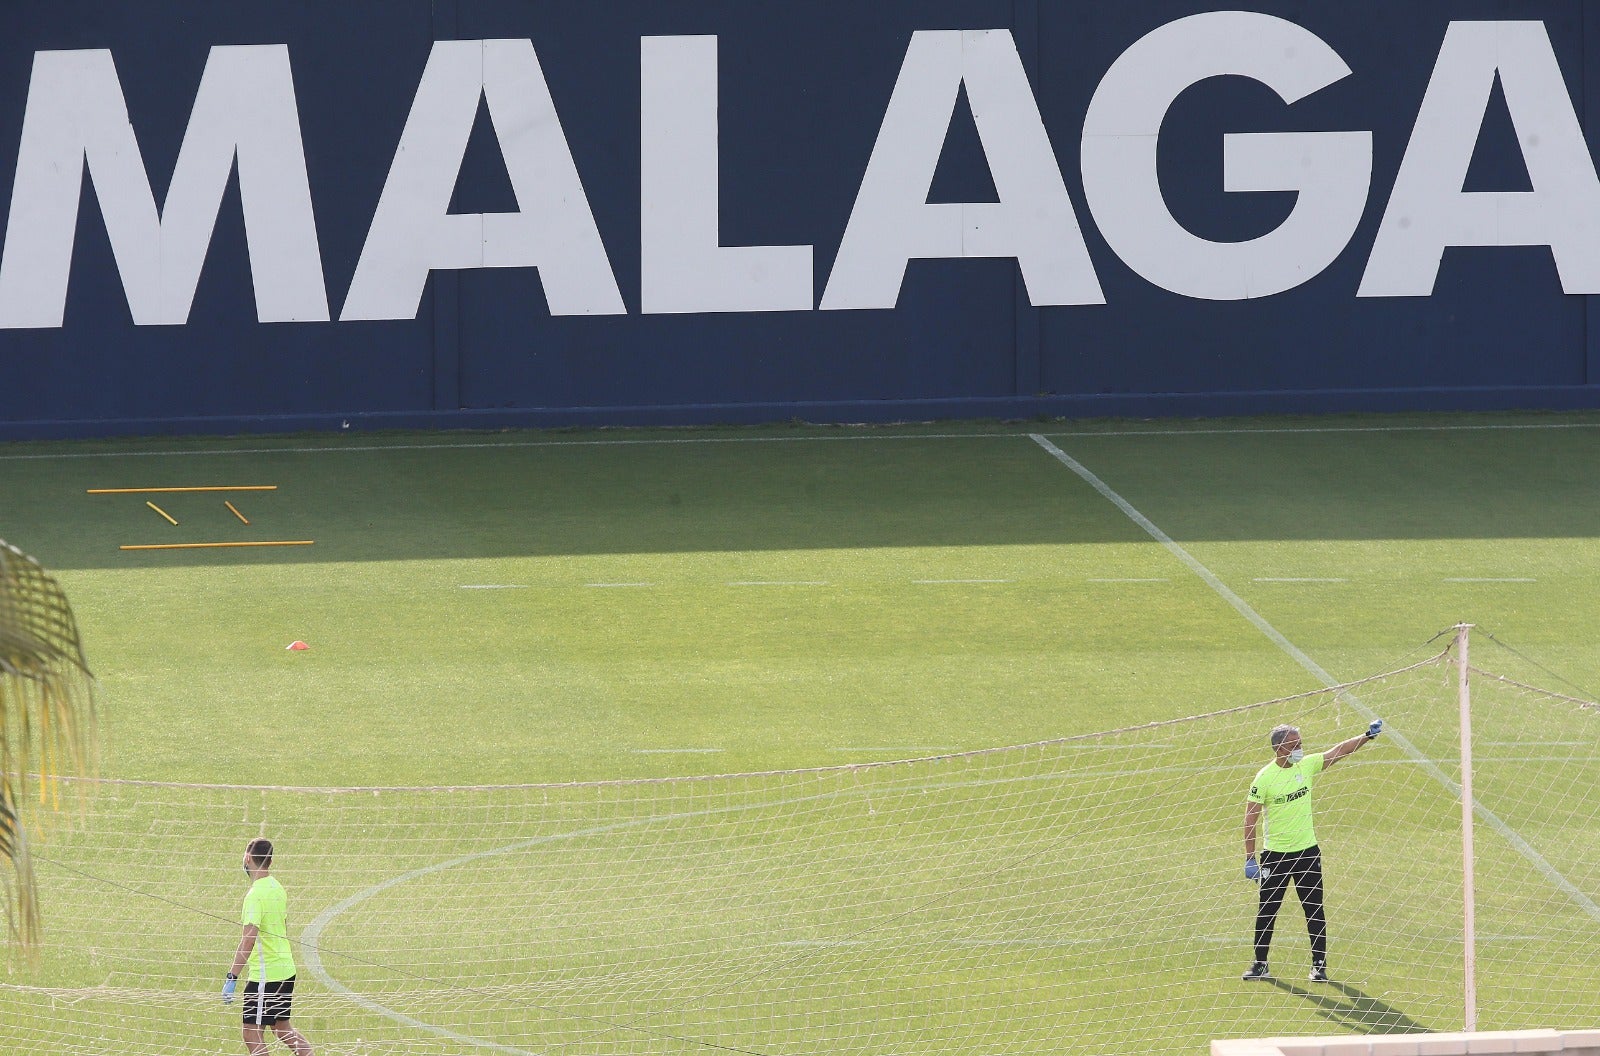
(1258, 970)
(1319, 972)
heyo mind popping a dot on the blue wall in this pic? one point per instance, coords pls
(803, 91)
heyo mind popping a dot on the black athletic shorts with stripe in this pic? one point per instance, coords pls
(273, 1007)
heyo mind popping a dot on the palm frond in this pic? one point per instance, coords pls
(22, 910)
(47, 719)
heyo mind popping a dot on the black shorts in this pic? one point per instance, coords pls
(274, 1006)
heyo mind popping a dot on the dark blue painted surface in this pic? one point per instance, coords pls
(802, 93)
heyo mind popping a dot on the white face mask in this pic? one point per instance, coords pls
(1297, 755)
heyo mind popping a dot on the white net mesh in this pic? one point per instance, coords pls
(1082, 895)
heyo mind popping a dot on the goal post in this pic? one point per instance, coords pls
(1469, 925)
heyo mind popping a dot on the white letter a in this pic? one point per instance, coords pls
(892, 221)
(413, 231)
(1429, 211)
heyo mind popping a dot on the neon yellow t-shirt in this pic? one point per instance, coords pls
(1284, 793)
(267, 907)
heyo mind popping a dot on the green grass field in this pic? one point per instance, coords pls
(537, 608)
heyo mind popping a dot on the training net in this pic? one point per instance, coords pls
(1084, 895)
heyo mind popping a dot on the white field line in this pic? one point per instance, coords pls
(1242, 607)
(1142, 579)
(778, 583)
(944, 582)
(1087, 434)
(312, 949)
(311, 939)
(1297, 579)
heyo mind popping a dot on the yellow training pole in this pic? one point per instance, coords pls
(207, 546)
(162, 512)
(235, 510)
(152, 491)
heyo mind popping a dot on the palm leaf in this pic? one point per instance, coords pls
(47, 720)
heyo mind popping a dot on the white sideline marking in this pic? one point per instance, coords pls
(1088, 434)
(778, 583)
(1296, 579)
(1488, 579)
(937, 582)
(1494, 821)
(1149, 579)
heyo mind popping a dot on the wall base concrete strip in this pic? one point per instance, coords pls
(1481, 1043)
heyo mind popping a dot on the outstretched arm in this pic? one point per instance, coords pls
(1344, 748)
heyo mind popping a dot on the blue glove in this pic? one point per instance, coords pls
(1375, 729)
(1252, 871)
(229, 987)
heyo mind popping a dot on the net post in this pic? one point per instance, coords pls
(1468, 880)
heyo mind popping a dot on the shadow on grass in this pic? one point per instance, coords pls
(418, 496)
(1354, 1010)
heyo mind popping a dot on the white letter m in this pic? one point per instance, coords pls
(77, 116)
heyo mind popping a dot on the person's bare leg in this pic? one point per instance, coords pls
(253, 1041)
(292, 1038)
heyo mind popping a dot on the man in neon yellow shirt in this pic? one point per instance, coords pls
(1282, 791)
(264, 949)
